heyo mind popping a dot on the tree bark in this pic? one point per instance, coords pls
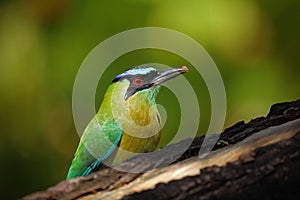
(259, 159)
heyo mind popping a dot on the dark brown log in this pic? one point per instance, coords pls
(270, 172)
(258, 158)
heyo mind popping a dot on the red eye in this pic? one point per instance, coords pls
(138, 81)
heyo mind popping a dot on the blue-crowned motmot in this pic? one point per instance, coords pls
(128, 119)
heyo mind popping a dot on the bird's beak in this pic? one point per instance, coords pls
(167, 74)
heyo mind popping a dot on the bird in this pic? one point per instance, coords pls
(127, 119)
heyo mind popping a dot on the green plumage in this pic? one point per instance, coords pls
(127, 119)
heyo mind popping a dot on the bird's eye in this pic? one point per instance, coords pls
(138, 81)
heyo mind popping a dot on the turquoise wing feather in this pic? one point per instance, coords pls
(98, 142)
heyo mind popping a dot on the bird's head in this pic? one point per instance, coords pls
(144, 78)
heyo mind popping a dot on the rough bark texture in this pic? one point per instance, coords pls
(237, 170)
(270, 172)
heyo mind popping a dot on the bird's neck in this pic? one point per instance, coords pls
(138, 115)
(139, 108)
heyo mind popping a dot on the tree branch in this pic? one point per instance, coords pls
(259, 153)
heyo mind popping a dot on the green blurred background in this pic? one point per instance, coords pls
(255, 44)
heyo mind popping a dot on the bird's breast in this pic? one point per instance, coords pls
(137, 115)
